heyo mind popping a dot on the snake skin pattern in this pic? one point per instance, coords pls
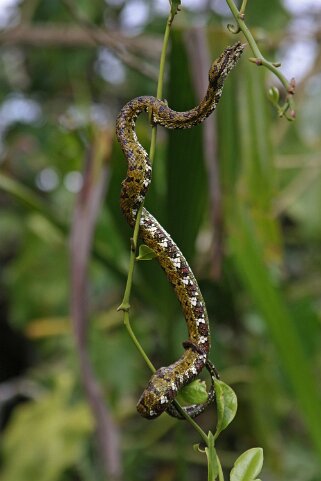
(167, 381)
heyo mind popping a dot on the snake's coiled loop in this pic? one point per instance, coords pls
(195, 409)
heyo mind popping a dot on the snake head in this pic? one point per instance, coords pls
(224, 64)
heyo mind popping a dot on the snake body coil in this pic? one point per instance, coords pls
(167, 381)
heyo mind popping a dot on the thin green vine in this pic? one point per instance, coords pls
(259, 60)
(243, 7)
(191, 421)
(125, 305)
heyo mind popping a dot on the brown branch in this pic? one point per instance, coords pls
(200, 62)
(126, 49)
(69, 35)
(53, 35)
(85, 215)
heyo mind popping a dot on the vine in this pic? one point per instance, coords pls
(288, 108)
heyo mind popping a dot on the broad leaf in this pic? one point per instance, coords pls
(226, 402)
(193, 393)
(248, 465)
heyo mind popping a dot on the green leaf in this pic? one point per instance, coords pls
(212, 463)
(145, 253)
(226, 402)
(193, 393)
(248, 465)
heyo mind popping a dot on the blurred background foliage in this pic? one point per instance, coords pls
(241, 195)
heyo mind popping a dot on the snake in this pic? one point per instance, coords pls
(166, 382)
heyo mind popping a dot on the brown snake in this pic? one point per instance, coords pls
(167, 381)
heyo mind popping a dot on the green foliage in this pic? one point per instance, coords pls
(250, 463)
(254, 243)
(56, 426)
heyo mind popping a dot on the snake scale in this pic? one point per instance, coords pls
(167, 381)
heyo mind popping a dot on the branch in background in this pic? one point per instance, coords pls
(125, 56)
(68, 35)
(48, 35)
(146, 45)
(296, 188)
(85, 215)
(200, 61)
(34, 203)
(298, 161)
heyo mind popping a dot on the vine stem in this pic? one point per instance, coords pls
(220, 470)
(243, 7)
(259, 58)
(191, 421)
(125, 305)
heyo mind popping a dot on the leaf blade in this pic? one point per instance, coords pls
(145, 253)
(193, 393)
(248, 465)
(226, 402)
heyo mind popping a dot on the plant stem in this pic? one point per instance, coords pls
(137, 343)
(163, 58)
(191, 421)
(259, 58)
(220, 470)
(243, 7)
(125, 305)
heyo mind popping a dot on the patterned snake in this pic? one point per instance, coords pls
(167, 381)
